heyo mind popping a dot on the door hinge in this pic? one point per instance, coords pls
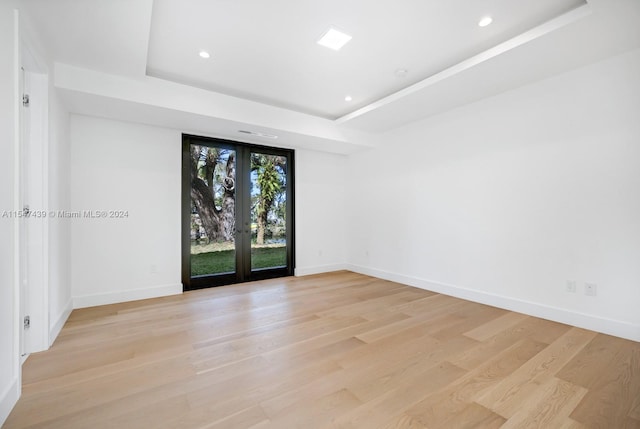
(27, 322)
(25, 100)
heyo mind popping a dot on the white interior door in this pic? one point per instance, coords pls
(33, 223)
(23, 224)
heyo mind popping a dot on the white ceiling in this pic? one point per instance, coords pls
(106, 35)
(266, 51)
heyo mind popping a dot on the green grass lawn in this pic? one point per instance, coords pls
(224, 261)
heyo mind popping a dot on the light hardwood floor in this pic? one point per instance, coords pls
(338, 350)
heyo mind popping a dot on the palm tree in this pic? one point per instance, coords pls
(270, 173)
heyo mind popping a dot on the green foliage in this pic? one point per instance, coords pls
(270, 186)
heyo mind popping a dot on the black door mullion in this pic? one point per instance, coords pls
(243, 215)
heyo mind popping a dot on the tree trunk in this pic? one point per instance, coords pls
(262, 224)
(219, 224)
(205, 205)
(228, 210)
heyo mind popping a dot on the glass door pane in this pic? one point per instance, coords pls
(268, 211)
(237, 212)
(213, 210)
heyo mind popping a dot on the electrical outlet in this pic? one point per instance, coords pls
(571, 286)
(590, 289)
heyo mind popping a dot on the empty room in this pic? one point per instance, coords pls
(302, 214)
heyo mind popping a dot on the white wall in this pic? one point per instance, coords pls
(504, 200)
(125, 166)
(135, 168)
(320, 200)
(9, 368)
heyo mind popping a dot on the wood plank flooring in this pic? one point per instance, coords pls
(338, 350)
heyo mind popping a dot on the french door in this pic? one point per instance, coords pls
(237, 212)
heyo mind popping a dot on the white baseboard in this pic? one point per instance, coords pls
(307, 271)
(8, 400)
(54, 331)
(126, 295)
(594, 323)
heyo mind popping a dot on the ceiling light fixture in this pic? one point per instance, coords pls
(348, 98)
(334, 39)
(258, 134)
(485, 21)
(204, 54)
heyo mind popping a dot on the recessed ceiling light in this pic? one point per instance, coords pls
(204, 54)
(259, 134)
(485, 21)
(334, 39)
(348, 98)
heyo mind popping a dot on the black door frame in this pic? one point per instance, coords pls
(243, 238)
